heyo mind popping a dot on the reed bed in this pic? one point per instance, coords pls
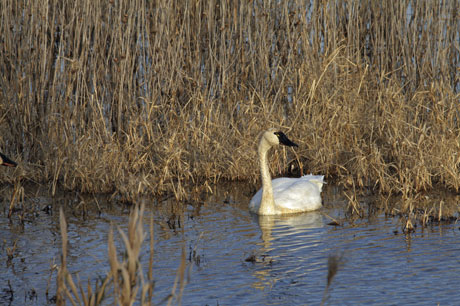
(126, 283)
(153, 97)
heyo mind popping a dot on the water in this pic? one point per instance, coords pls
(235, 258)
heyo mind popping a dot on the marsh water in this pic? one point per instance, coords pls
(235, 258)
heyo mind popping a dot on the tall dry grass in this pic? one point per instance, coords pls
(126, 283)
(136, 97)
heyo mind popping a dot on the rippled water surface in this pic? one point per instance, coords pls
(235, 258)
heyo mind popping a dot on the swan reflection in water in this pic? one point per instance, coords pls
(289, 243)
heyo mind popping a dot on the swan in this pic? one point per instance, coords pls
(5, 161)
(284, 195)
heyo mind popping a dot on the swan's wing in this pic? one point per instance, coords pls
(316, 179)
(302, 193)
(283, 183)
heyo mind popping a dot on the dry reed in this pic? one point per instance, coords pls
(138, 97)
(125, 283)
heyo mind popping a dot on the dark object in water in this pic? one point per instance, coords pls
(334, 223)
(251, 258)
(5, 161)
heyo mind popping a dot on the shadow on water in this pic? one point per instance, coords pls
(235, 257)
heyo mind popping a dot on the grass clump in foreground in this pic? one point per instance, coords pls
(125, 282)
(153, 97)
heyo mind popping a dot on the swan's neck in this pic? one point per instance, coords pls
(267, 203)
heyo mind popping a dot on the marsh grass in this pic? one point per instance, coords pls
(126, 282)
(160, 97)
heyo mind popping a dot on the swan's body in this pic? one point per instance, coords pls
(284, 195)
(292, 195)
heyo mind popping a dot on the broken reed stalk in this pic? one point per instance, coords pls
(150, 271)
(109, 97)
(62, 270)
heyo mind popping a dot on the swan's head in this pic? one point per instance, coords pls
(274, 138)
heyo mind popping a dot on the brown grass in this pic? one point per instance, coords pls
(150, 97)
(125, 282)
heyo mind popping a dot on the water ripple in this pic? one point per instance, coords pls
(242, 259)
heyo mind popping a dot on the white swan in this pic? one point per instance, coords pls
(284, 195)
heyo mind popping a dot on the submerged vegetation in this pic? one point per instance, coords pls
(151, 97)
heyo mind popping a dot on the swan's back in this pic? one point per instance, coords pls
(293, 194)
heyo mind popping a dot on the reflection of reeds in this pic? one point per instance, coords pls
(334, 263)
(18, 196)
(136, 97)
(125, 279)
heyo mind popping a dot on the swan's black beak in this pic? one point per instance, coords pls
(284, 140)
(5, 161)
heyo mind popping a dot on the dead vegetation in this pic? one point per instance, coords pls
(150, 97)
(126, 283)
